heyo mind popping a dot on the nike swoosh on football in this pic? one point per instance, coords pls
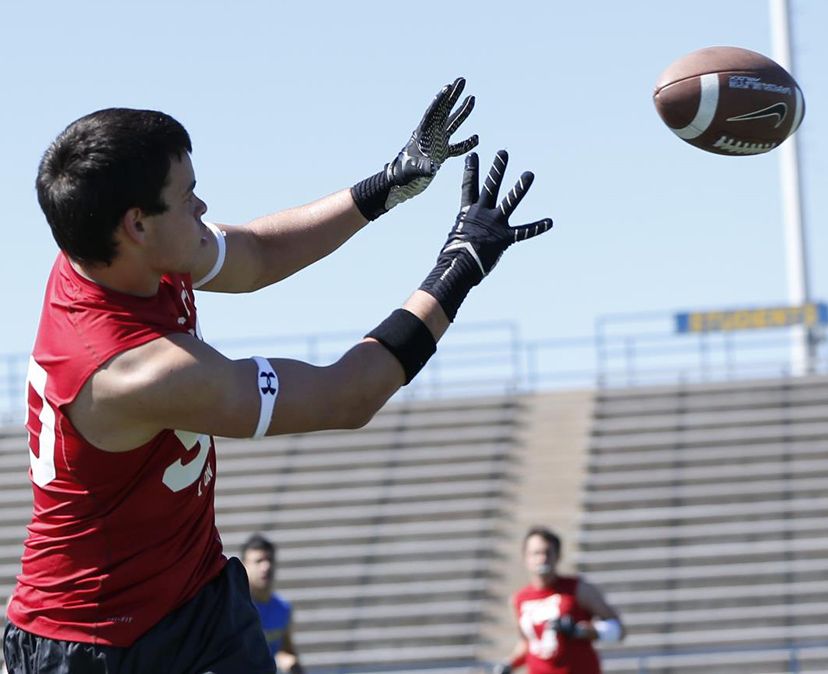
(778, 110)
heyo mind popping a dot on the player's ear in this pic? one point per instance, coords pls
(132, 226)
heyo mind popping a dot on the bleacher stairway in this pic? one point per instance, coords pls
(705, 519)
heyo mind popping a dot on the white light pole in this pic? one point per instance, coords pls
(799, 291)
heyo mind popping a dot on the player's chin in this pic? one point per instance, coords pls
(204, 234)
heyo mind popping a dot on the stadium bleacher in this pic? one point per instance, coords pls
(704, 518)
(699, 509)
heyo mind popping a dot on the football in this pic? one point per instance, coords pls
(729, 100)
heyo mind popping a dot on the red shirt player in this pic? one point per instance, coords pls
(87, 571)
(123, 570)
(558, 617)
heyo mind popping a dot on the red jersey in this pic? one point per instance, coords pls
(550, 652)
(117, 540)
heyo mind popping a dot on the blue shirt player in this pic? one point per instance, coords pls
(258, 555)
(275, 615)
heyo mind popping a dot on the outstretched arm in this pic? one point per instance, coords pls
(271, 248)
(179, 382)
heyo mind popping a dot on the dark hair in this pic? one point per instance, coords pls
(545, 534)
(100, 166)
(258, 542)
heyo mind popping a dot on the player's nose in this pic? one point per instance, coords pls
(201, 207)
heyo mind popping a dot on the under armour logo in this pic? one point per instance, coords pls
(267, 388)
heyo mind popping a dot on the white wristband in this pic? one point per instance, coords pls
(268, 384)
(608, 630)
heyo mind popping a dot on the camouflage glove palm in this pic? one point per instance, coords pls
(480, 235)
(411, 171)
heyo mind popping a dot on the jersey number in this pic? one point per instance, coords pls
(43, 465)
(539, 615)
(177, 476)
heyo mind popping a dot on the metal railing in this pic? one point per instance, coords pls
(492, 358)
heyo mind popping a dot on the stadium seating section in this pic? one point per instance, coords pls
(702, 513)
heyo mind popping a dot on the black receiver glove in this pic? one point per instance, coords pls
(480, 234)
(566, 626)
(410, 172)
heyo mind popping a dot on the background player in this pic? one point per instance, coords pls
(558, 617)
(123, 565)
(258, 554)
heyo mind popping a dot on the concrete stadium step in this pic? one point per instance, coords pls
(711, 576)
(722, 456)
(342, 496)
(714, 395)
(15, 459)
(687, 514)
(718, 638)
(331, 534)
(754, 595)
(717, 598)
(425, 668)
(413, 668)
(754, 490)
(497, 465)
(719, 437)
(680, 619)
(398, 614)
(325, 516)
(714, 418)
(671, 402)
(13, 534)
(389, 655)
(11, 551)
(460, 546)
(380, 531)
(8, 570)
(760, 660)
(727, 531)
(406, 591)
(314, 459)
(400, 635)
(688, 475)
(379, 571)
(706, 553)
(16, 496)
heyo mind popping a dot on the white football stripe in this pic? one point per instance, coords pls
(798, 106)
(707, 108)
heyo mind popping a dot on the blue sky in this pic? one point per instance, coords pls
(288, 101)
